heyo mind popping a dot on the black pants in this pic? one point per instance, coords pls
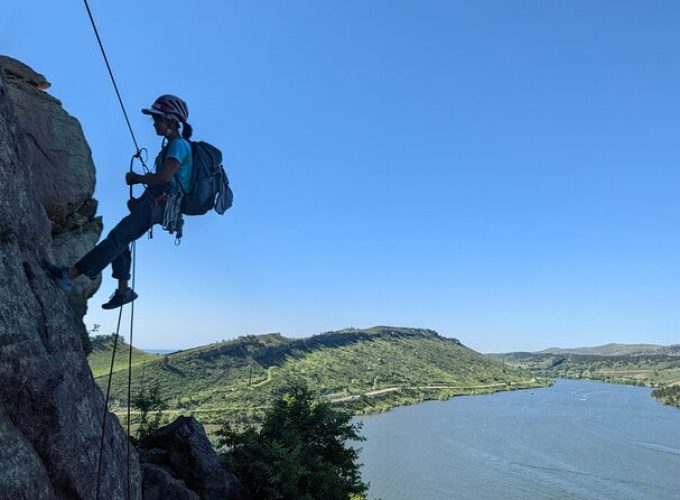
(115, 248)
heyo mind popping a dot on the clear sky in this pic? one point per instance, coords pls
(504, 172)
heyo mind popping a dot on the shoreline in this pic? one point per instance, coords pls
(381, 401)
(368, 403)
(667, 395)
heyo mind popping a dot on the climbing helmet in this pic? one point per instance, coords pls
(169, 106)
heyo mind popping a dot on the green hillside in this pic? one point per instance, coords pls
(100, 358)
(364, 370)
(661, 371)
(668, 395)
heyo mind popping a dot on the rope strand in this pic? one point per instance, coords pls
(113, 80)
(129, 402)
(138, 154)
(106, 404)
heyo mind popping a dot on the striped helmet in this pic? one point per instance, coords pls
(169, 106)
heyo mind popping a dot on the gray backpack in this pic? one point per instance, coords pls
(210, 184)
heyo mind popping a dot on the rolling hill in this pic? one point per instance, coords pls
(100, 358)
(364, 370)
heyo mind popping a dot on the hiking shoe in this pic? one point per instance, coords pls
(60, 276)
(120, 298)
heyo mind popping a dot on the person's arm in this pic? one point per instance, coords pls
(170, 168)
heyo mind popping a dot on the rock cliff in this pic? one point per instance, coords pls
(50, 408)
(178, 463)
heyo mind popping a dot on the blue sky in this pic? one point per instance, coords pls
(504, 172)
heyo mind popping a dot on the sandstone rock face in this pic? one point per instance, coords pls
(50, 408)
(180, 463)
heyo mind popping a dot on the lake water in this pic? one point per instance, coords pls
(575, 440)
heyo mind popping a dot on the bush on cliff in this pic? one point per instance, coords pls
(301, 451)
(151, 406)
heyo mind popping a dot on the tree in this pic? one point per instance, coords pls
(149, 402)
(301, 451)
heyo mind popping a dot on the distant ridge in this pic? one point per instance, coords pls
(614, 349)
(653, 365)
(159, 351)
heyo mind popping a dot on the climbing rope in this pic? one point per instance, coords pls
(108, 387)
(113, 80)
(136, 155)
(106, 403)
(129, 388)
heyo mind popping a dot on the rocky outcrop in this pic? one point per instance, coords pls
(50, 408)
(61, 173)
(180, 463)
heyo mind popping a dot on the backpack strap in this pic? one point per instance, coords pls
(164, 152)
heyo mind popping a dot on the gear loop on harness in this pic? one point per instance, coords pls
(173, 222)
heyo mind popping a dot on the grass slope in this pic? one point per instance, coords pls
(102, 348)
(364, 370)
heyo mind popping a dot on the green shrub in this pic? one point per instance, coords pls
(300, 452)
(151, 406)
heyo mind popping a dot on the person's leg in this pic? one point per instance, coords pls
(130, 228)
(144, 213)
(121, 268)
(122, 262)
(121, 271)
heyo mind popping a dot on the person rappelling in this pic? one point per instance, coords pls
(188, 179)
(173, 189)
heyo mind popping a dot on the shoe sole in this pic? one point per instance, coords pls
(108, 307)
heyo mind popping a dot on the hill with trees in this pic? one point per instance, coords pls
(364, 371)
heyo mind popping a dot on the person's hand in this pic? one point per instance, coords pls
(132, 178)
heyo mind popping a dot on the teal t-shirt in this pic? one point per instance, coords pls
(180, 150)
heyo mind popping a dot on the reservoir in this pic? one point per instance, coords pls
(575, 440)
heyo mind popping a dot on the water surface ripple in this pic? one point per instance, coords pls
(575, 440)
